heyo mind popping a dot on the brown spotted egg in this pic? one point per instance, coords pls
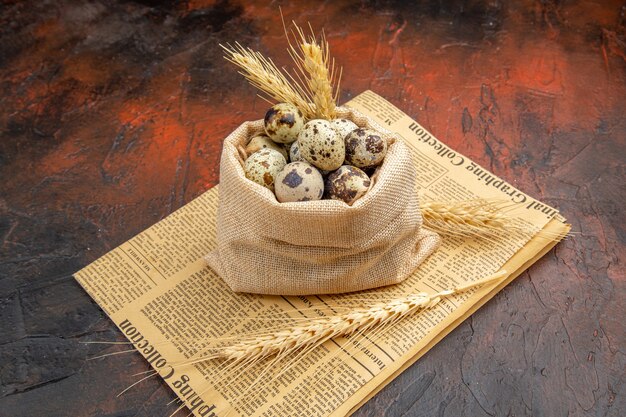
(365, 148)
(262, 141)
(299, 181)
(263, 166)
(347, 184)
(283, 122)
(294, 155)
(343, 126)
(294, 152)
(321, 145)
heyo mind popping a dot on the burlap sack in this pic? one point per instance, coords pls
(318, 247)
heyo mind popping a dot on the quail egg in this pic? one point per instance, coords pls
(294, 152)
(299, 181)
(347, 184)
(283, 122)
(263, 166)
(321, 145)
(365, 148)
(262, 141)
(294, 155)
(343, 126)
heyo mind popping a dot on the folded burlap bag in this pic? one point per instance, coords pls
(318, 247)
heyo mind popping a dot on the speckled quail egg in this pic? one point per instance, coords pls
(283, 122)
(294, 152)
(343, 126)
(299, 181)
(263, 166)
(321, 145)
(365, 148)
(347, 184)
(294, 155)
(287, 147)
(262, 141)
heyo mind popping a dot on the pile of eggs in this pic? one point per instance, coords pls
(318, 159)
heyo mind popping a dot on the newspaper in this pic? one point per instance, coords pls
(166, 301)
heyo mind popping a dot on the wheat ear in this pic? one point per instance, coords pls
(475, 213)
(478, 219)
(286, 342)
(263, 74)
(466, 218)
(313, 61)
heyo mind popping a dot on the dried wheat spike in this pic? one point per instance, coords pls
(466, 218)
(471, 213)
(263, 74)
(478, 219)
(316, 71)
(286, 342)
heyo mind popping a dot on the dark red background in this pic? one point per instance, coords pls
(112, 116)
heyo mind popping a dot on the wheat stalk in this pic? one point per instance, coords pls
(314, 64)
(263, 74)
(478, 219)
(311, 90)
(285, 342)
(473, 213)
